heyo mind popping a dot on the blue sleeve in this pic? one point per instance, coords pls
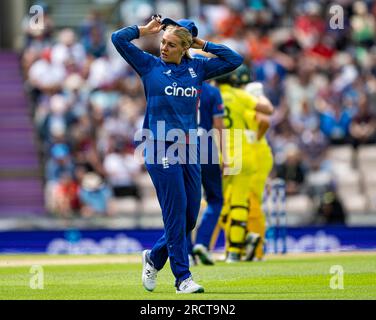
(217, 103)
(227, 60)
(140, 61)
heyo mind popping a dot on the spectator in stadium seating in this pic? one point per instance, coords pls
(102, 76)
(122, 168)
(67, 51)
(292, 171)
(66, 202)
(330, 210)
(93, 21)
(287, 44)
(269, 67)
(258, 45)
(76, 95)
(94, 196)
(313, 146)
(335, 121)
(232, 23)
(46, 75)
(324, 50)
(57, 168)
(84, 147)
(93, 159)
(282, 137)
(370, 86)
(92, 33)
(35, 45)
(305, 120)
(310, 25)
(60, 118)
(363, 25)
(363, 125)
(82, 135)
(301, 89)
(124, 120)
(60, 163)
(312, 141)
(274, 90)
(94, 44)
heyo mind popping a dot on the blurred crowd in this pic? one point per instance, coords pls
(87, 106)
(319, 71)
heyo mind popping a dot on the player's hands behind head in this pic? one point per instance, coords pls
(153, 27)
(197, 43)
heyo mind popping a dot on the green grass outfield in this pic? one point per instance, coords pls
(115, 277)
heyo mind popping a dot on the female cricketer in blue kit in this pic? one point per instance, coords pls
(172, 84)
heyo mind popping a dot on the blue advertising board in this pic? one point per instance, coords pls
(74, 241)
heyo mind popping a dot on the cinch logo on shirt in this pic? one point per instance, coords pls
(176, 91)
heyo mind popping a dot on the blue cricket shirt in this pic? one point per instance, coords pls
(173, 90)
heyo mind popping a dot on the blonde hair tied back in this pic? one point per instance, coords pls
(184, 35)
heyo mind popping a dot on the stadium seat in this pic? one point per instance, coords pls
(340, 168)
(366, 159)
(146, 185)
(369, 178)
(340, 154)
(371, 198)
(367, 153)
(372, 204)
(370, 192)
(299, 205)
(350, 176)
(348, 182)
(150, 205)
(125, 206)
(355, 203)
(319, 178)
(365, 168)
(151, 222)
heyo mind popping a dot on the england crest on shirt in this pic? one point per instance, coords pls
(192, 72)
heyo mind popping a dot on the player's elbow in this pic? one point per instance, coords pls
(114, 37)
(218, 123)
(265, 106)
(270, 108)
(265, 123)
(237, 60)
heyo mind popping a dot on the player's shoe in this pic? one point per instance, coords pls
(149, 273)
(233, 257)
(251, 242)
(189, 286)
(258, 259)
(203, 253)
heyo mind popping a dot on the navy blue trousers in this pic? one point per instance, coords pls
(178, 188)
